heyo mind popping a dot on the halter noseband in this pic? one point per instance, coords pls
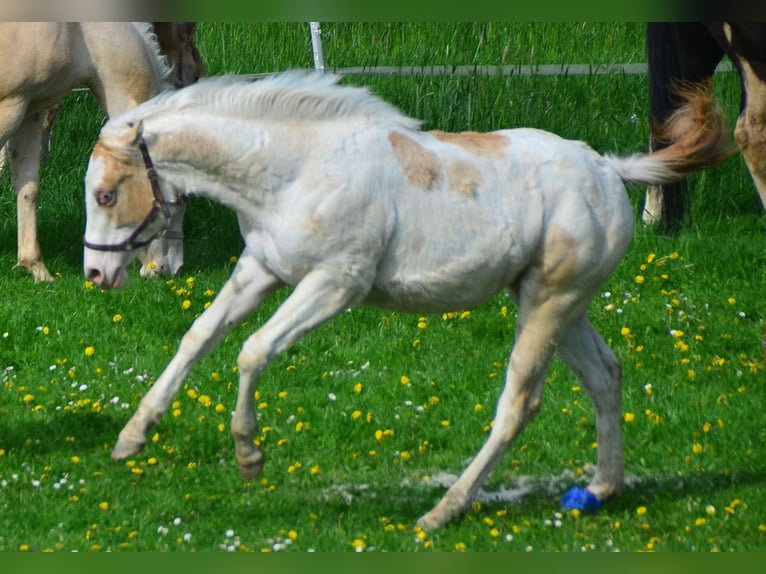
(159, 206)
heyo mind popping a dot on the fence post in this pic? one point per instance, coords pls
(316, 43)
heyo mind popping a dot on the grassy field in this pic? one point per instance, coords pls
(363, 420)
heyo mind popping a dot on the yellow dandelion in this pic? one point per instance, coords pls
(28, 399)
(629, 417)
(732, 301)
(358, 388)
(641, 510)
(639, 279)
(117, 318)
(625, 331)
(697, 448)
(186, 304)
(650, 257)
(405, 380)
(103, 505)
(89, 351)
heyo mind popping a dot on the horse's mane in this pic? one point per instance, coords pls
(161, 65)
(289, 96)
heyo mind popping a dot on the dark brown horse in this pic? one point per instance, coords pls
(689, 52)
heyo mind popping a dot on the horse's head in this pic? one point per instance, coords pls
(126, 211)
(176, 41)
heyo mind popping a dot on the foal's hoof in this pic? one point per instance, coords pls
(429, 522)
(126, 448)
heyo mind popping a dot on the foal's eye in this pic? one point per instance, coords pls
(105, 197)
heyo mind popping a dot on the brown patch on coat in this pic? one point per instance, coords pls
(128, 180)
(490, 144)
(420, 165)
(557, 264)
(463, 177)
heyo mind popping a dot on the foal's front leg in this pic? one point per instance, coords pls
(248, 286)
(317, 298)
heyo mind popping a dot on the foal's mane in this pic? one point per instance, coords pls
(288, 96)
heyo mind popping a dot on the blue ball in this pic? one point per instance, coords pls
(580, 499)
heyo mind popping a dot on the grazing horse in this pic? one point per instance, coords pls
(343, 197)
(122, 65)
(689, 52)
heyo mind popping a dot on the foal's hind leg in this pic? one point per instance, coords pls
(25, 167)
(536, 338)
(583, 349)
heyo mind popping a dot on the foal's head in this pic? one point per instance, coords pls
(125, 210)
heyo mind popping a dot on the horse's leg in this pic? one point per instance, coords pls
(539, 326)
(166, 253)
(676, 52)
(25, 166)
(247, 287)
(318, 297)
(583, 349)
(750, 131)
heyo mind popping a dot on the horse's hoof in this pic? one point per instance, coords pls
(252, 467)
(37, 270)
(126, 448)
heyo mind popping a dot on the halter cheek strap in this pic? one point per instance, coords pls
(159, 206)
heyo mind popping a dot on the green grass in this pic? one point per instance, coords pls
(353, 449)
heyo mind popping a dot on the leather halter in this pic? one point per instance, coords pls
(159, 206)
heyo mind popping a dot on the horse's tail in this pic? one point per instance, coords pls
(697, 136)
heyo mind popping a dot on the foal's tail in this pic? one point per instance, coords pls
(697, 135)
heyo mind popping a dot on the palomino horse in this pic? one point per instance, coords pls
(690, 52)
(176, 41)
(341, 196)
(121, 64)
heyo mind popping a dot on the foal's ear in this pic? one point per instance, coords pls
(133, 134)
